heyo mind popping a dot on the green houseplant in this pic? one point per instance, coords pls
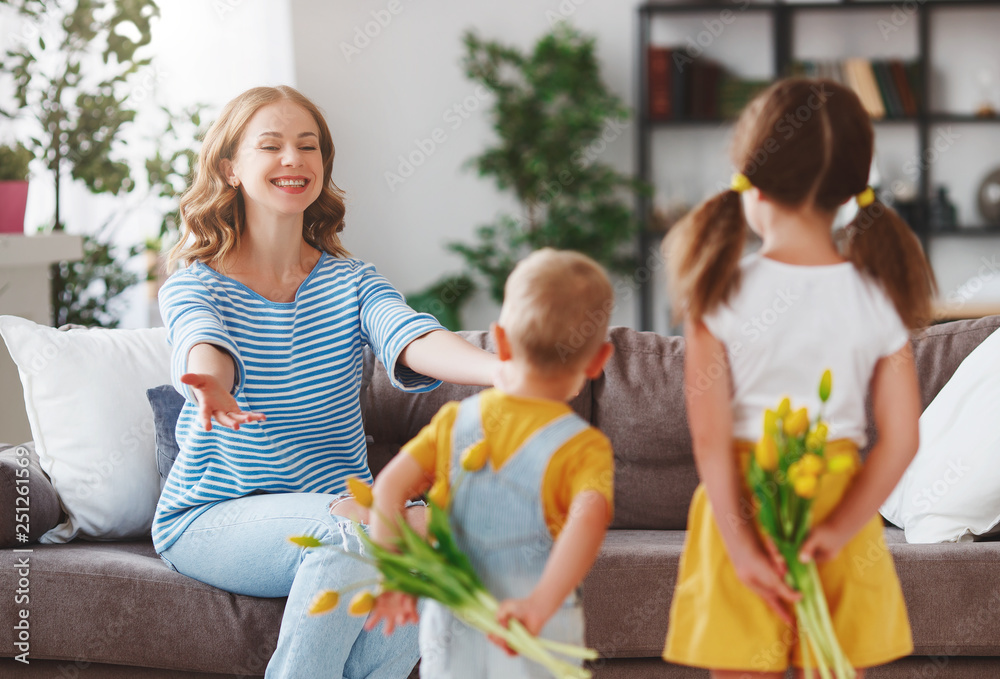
(76, 74)
(553, 117)
(14, 161)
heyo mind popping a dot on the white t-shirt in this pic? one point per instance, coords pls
(786, 324)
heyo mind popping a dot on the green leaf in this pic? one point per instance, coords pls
(305, 541)
(549, 108)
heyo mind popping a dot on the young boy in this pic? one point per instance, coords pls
(533, 518)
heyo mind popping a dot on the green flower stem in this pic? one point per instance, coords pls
(439, 571)
(570, 650)
(521, 641)
(842, 665)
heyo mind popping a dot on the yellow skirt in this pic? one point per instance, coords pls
(717, 622)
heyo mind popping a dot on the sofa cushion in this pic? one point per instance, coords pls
(84, 396)
(938, 351)
(653, 459)
(949, 491)
(167, 404)
(952, 593)
(393, 417)
(118, 603)
(639, 405)
(19, 467)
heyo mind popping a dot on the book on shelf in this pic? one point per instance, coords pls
(682, 87)
(887, 88)
(659, 83)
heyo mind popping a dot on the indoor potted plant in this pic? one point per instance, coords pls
(553, 117)
(14, 162)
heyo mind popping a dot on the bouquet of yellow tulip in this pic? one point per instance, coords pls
(434, 567)
(784, 474)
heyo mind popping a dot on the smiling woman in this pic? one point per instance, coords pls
(266, 324)
(277, 129)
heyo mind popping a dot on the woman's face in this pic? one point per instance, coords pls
(278, 163)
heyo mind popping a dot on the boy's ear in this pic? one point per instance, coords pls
(596, 365)
(500, 339)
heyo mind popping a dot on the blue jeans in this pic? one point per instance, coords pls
(242, 546)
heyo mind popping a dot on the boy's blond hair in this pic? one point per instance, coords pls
(556, 309)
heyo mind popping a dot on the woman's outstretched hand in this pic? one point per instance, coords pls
(214, 401)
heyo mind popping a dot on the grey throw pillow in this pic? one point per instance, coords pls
(166, 403)
(19, 468)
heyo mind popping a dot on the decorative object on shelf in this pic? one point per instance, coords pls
(942, 215)
(987, 83)
(989, 198)
(553, 118)
(14, 162)
(905, 201)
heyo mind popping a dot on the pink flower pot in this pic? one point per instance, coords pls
(13, 199)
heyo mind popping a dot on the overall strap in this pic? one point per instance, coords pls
(532, 458)
(467, 430)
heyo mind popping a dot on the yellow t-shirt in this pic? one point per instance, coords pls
(585, 462)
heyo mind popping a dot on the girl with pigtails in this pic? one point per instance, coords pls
(801, 150)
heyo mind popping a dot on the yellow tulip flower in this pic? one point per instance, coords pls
(817, 437)
(797, 423)
(805, 486)
(784, 407)
(324, 602)
(475, 456)
(362, 603)
(361, 491)
(825, 385)
(812, 464)
(766, 453)
(770, 422)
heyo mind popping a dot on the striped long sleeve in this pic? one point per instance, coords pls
(300, 364)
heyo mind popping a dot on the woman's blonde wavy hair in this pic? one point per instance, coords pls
(212, 212)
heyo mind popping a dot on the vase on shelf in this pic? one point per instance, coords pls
(13, 201)
(942, 215)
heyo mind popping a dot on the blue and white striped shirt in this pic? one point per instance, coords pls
(299, 363)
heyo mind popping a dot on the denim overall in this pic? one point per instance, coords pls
(498, 521)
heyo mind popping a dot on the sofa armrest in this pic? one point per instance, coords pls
(19, 469)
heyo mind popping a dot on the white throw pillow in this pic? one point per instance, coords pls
(951, 490)
(85, 394)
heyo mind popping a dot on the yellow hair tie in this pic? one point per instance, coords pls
(740, 183)
(866, 197)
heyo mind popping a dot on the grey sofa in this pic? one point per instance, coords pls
(114, 610)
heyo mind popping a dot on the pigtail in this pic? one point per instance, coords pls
(882, 245)
(703, 253)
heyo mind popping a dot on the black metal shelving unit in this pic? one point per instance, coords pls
(782, 26)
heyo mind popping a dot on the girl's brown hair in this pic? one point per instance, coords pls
(213, 213)
(802, 143)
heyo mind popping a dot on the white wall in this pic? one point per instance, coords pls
(400, 88)
(404, 80)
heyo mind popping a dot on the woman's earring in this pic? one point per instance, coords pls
(236, 184)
